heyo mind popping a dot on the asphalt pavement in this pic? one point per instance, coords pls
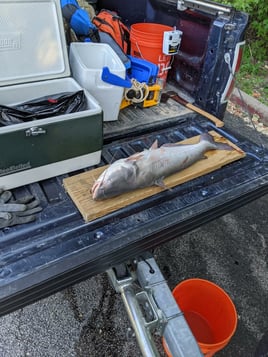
(89, 320)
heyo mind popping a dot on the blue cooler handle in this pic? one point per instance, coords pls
(111, 78)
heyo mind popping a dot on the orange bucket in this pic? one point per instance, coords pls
(209, 312)
(147, 43)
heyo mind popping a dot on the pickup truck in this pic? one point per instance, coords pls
(60, 249)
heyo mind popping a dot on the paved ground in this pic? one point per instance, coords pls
(88, 319)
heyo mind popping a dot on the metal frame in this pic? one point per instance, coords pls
(151, 307)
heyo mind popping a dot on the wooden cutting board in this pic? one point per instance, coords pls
(78, 186)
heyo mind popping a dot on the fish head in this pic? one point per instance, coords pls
(116, 179)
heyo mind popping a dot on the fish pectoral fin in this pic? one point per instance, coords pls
(160, 183)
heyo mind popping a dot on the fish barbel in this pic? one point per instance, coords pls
(150, 167)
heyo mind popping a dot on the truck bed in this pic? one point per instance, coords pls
(59, 249)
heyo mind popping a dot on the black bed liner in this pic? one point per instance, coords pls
(59, 249)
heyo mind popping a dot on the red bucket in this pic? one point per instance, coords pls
(147, 43)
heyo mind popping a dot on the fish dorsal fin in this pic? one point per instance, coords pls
(154, 145)
(135, 157)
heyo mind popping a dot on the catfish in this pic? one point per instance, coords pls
(151, 166)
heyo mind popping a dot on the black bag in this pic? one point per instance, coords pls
(44, 107)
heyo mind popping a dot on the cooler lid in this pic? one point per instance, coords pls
(32, 41)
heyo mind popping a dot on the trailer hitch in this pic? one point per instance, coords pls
(151, 308)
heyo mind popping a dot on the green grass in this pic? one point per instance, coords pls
(253, 77)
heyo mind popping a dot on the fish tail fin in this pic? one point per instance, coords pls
(214, 145)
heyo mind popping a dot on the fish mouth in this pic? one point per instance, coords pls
(97, 191)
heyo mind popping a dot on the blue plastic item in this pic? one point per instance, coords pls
(77, 17)
(111, 78)
(143, 71)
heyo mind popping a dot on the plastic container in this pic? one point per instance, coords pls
(87, 61)
(39, 149)
(210, 314)
(147, 43)
(143, 70)
(106, 38)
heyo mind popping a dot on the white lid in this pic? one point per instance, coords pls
(32, 41)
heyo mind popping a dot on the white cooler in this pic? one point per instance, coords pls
(87, 61)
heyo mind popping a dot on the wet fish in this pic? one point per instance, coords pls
(150, 167)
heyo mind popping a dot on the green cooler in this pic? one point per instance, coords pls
(34, 63)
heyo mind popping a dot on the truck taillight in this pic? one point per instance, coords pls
(233, 70)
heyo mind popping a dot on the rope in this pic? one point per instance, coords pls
(141, 90)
